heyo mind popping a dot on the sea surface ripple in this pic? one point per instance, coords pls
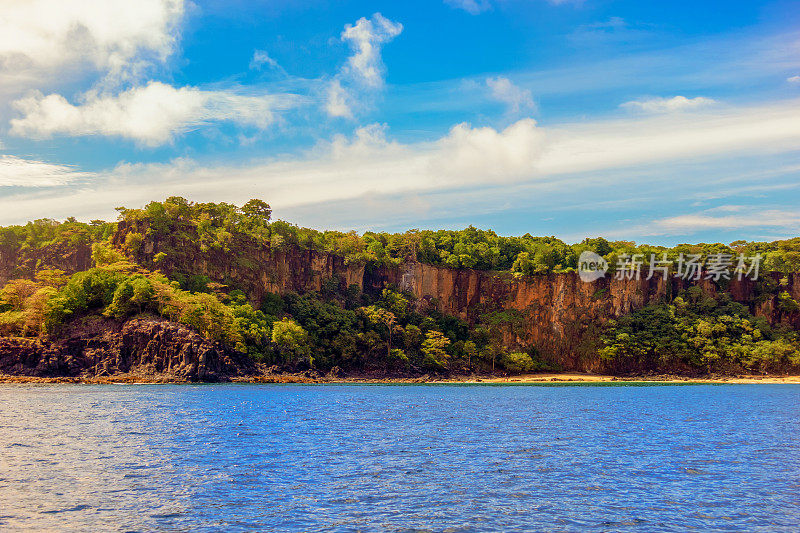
(399, 458)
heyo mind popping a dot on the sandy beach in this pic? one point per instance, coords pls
(523, 379)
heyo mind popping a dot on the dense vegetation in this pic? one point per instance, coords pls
(340, 326)
(215, 226)
(699, 333)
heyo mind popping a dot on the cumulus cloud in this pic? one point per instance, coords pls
(477, 154)
(151, 114)
(117, 37)
(116, 43)
(366, 37)
(364, 71)
(516, 98)
(18, 172)
(668, 105)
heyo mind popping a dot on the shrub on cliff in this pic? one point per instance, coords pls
(91, 289)
(31, 308)
(133, 295)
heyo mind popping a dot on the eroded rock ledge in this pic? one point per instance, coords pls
(149, 347)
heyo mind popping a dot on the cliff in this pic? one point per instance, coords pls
(17, 263)
(254, 268)
(557, 313)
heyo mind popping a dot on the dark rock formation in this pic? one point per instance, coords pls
(143, 346)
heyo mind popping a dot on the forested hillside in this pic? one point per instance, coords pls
(301, 298)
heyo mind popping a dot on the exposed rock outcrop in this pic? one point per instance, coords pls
(558, 313)
(143, 346)
(67, 257)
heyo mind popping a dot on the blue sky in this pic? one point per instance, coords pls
(659, 122)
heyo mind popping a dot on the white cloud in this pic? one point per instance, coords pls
(150, 115)
(364, 71)
(793, 79)
(727, 218)
(116, 43)
(337, 105)
(17, 172)
(472, 7)
(516, 98)
(475, 7)
(366, 37)
(566, 158)
(668, 105)
(117, 37)
(261, 58)
(472, 155)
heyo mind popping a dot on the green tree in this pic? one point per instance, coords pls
(291, 339)
(433, 347)
(257, 212)
(518, 362)
(380, 316)
(131, 296)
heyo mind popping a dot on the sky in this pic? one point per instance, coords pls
(656, 122)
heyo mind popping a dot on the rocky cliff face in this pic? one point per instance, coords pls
(70, 259)
(254, 268)
(141, 347)
(558, 313)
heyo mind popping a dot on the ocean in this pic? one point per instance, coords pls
(455, 458)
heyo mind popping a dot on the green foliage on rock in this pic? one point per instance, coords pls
(699, 333)
(385, 331)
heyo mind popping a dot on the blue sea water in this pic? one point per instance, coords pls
(399, 458)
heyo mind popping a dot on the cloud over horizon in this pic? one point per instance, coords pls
(152, 114)
(370, 163)
(668, 105)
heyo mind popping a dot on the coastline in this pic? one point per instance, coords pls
(524, 379)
